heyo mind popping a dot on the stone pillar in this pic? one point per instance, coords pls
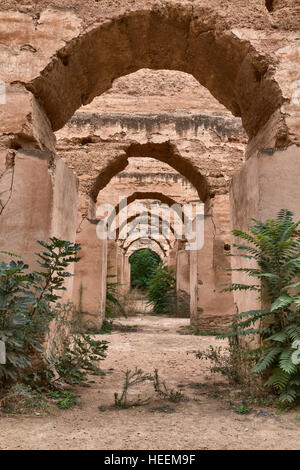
(123, 272)
(90, 276)
(112, 261)
(193, 287)
(38, 195)
(183, 282)
(268, 181)
(213, 308)
(120, 269)
(183, 271)
(126, 276)
(172, 257)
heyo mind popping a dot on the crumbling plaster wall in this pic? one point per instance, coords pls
(249, 53)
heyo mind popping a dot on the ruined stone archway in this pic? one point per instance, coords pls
(143, 196)
(176, 37)
(138, 246)
(144, 229)
(165, 152)
(126, 248)
(147, 216)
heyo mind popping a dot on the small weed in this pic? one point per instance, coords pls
(163, 409)
(65, 399)
(241, 409)
(102, 408)
(106, 328)
(215, 393)
(265, 400)
(283, 407)
(131, 379)
(197, 386)
(191, 330)
(223, 360)
(125, 328)
(172, 395)
(99, 373)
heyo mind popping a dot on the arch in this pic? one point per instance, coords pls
(145, 238)
(154, 247)
(139, 195)
(140, 249)
(159, 236)
(175, 36)
(164, 152)
(145, 214)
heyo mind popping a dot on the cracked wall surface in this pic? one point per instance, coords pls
(207, 80)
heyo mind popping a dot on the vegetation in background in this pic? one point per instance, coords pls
(274, 246)
(27, 303)
(143, 267)
(162, 290)
(158, 282)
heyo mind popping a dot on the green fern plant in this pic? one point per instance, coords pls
(274, 245)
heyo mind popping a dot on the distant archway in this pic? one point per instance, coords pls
(144, 238)
(164, 152)
(146, 216)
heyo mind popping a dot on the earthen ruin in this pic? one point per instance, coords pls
(161, 102)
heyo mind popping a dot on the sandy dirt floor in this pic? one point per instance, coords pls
(203, 422)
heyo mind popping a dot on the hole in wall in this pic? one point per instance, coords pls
(269, 5)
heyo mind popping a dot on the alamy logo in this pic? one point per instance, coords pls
(184, 222)
(2, 92)
(296, 354)
(296, 92)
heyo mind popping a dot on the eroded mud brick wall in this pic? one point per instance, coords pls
(56, 58)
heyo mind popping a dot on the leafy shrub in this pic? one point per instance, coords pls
(26, 303)
(223, 361)
(162, 290)
(275, 247)
(80, 353)
(143, 267)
